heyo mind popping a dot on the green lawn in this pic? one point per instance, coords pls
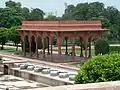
(10, 51)
(77, 51)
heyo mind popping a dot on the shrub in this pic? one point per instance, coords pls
(100, 68)
(101, 47)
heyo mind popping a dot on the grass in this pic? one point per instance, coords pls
(77, 51)
(10, 51)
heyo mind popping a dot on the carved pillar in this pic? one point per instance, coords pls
(73, 48)
(43, 42)
(51, 52)
(81, 47)
(30, 45)
(59, 45)
(90, 48)
(66, 52)
(48, 46)
(36, 41)
(86, 41)
(24, 51)
(51, 46)
(23, 41)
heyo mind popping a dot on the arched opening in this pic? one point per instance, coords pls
(33, 44)
(81, 44)
(5, 70)
(26, 43)
(40, 44)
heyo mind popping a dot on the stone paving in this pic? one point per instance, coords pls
(16, 83)
(23, 59)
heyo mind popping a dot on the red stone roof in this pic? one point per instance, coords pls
(70, 25)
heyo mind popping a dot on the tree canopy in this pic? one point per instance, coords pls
(11, 17)
(110, 16)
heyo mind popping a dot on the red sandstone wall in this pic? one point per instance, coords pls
(61, 24)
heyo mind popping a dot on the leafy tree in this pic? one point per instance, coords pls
(81, 11)
(100, 68)
(10, 17)
(51, 17)
(101, 47)
(68, 13)
(14, 36)
(12, 4)
(110, 16)
(26, 13)
(105, 21)
(36, 14)
(3, 37)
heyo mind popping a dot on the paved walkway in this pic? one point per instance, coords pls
(17, 83)
(23, 59)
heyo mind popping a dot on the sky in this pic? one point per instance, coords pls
(57, 6)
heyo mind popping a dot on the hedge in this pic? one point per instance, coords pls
(101, 47)
(100, 68)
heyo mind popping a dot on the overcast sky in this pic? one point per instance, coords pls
(57, 6)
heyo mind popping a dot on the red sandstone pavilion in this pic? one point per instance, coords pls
(86, 31)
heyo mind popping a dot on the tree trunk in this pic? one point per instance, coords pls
(16, 47)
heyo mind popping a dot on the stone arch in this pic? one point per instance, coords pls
(40, 44)
(26, 39)
(33, 44)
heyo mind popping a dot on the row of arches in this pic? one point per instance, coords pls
(32, 45)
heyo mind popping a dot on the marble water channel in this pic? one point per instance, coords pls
(42, 73)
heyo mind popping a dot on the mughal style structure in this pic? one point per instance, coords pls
(86, 31)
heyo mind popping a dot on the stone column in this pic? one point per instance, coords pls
(73, 48)
(48, 46)
(59, 46)
(51, 52)
(24, 51)
(30, 46)
(51, 47)
(89, 48)
(66, 39)
(86, 41)
(43, 42)
(36, 41)
(81, 48)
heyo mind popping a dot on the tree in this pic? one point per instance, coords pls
(3, 37)
(51, 17)
(14, 36)
(10, 17)
(100, 68)
(81, 11)
(36, 14)
(12, 4)
(101, 47)
(68, 13)
(110, 16)
(26, 13)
